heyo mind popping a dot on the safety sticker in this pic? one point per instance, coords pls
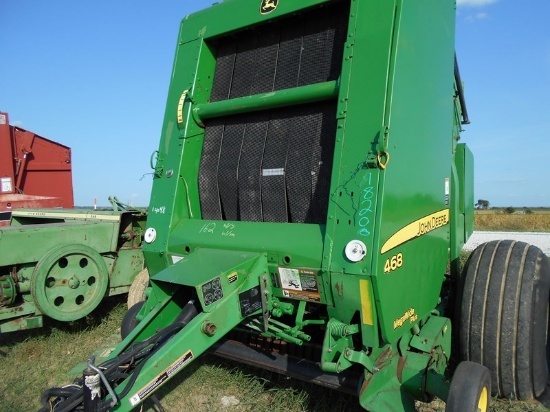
(232, 277)
(160, 379)
(299, 284)
(6, 184)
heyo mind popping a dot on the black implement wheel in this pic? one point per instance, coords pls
(129, 321)
(470, 389)
(504, 316)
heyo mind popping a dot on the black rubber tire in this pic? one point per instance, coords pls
(470, 388)
(129, 321)
(503, 319)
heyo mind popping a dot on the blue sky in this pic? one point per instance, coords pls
(94, 76)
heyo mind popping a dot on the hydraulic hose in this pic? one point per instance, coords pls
(70, 398)
(188, 312)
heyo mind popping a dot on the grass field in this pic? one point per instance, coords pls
(497, 220)
(37, 360)
(33, 361)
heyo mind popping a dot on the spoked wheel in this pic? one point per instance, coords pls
(470, 389)
(69, 282)
(504, 316)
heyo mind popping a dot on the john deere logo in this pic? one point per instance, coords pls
(268, 6)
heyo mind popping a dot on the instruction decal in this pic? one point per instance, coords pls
(6, 185)
(160, 379)
(250, 301)
(299, 284)
(212, 291)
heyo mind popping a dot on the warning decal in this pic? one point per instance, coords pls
(233, 277)
(160, 379)
(6, 185)
(299, 284)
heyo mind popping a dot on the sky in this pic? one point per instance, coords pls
(94, 76)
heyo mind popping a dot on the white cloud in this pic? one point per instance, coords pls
(478, 16)
(474, 3)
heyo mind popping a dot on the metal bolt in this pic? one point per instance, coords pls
(73, 282)
(209, 328)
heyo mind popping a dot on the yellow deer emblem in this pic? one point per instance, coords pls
(267, 6)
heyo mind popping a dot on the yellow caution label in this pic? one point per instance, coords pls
(416, 229)
(366, 302)
(233, 277)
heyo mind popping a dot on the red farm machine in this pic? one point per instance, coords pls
(34, 172)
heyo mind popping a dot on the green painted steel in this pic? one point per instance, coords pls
(366, 281)
(61, 263)
(282, 98)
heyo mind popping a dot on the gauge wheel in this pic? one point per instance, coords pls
(503, 316)
(137, 288)
(129, 321)
(69, 282)
(470, 388)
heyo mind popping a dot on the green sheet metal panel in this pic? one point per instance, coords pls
(414, 191)
(30, 243)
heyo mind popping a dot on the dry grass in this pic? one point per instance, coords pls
(33, 361)
(538, 221)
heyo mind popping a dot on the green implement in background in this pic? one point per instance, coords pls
(61, 263)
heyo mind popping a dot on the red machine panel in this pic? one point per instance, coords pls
(34, 171)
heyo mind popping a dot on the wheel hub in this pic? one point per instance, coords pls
(7, 291)
(70, 282)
